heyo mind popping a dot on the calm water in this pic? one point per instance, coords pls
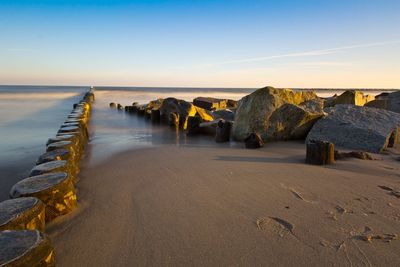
(29, 115)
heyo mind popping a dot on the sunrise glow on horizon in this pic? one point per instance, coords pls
(310, 44)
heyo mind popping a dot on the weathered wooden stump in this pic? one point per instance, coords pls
(55, 166)
(75, 140)
(320, 152)
(113, 105)
(254, 141)
(193, 125)
(55, 190)
(59, 154)
(223, 131)
(173, 119)
(68, 145)
(25, 213)
(155, 116)
(25, 248)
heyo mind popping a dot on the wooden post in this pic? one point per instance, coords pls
(320, 152)
(223, 131)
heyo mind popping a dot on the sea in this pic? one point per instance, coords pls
(29, 115)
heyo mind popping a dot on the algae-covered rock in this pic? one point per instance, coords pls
(210, 103)
(254, 110)
(25, 213)
(353, 97)
(29, 248)
(55, 190)
(357, 128)
(182, 108)
(291, 121)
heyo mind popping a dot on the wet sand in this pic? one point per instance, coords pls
(208, 204)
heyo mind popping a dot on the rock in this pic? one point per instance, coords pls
(120, 107)
(254, 110)
(353, 154)
(183, 108)
(394, 140)
(353, 127)
(254, 141)
(389, 102)
(193, 125)
(155, 115)
(353, 97)
(223, 131)
(113, 105)
(382, 96)
(25, 248)
(231, 103)
(173, 119)
(55, 190)
(290, 121)
(25, 213)
(210, 103)
(155, 104)
(224, 114)
(204, 114)
(320, 152)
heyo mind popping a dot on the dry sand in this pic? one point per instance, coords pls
(216, 205)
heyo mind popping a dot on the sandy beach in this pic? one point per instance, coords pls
(190, 201)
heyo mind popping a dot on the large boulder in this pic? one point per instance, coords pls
(352, 97)
(291, 121)
(354, 127)
(225, 114)
(181, 107)
(388, 101)
(210, 103)
(254, 110)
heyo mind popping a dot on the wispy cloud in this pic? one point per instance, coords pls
(321, 64)
(312, 53)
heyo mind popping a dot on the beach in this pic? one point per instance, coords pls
(151, 196)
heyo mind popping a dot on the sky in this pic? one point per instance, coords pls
(201, 43)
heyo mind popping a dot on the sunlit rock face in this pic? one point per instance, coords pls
(359, 128)
(183, 108)
(389, 101)
(210, 103)
(254, 110)
(351, 97)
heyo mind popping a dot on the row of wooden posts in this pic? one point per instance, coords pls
(49, 192)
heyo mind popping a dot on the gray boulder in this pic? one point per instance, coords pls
(254, 110)
(355, 127)
(388, 101)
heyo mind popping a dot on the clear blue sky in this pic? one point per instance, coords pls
(232, 43)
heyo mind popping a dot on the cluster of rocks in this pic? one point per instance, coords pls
(351, 120)
(204, 115)
(49, 192)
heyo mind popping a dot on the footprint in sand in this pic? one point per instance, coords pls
(296, 193)
(275, 225)
(390, 190)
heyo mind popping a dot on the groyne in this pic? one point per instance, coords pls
(48, 192)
